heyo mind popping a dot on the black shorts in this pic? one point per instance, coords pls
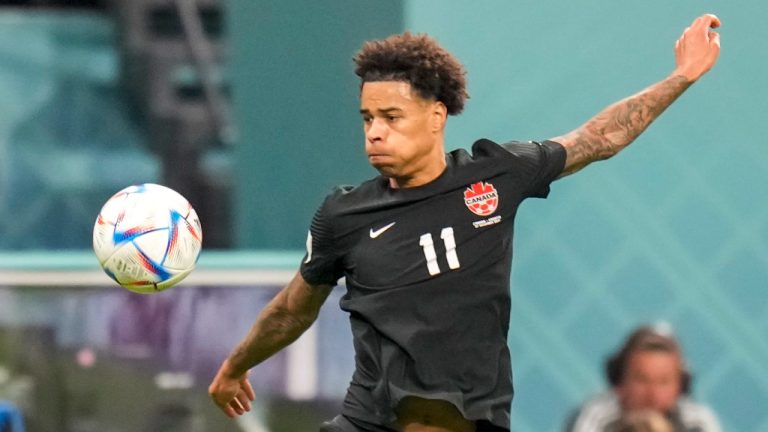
(346, 424)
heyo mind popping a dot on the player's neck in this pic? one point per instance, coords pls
(432, 169)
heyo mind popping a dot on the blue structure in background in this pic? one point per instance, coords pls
(11, 419)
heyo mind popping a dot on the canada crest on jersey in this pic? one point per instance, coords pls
(481, 198)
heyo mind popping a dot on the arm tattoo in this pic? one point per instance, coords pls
(274, 330)
(282, 321)
(619, 124)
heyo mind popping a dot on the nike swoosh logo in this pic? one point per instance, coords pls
(381, 230)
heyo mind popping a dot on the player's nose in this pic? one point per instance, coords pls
(376, 131)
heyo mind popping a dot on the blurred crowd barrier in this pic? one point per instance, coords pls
(86, 355)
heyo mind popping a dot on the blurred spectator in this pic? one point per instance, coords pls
(644, 421)
(648, 373)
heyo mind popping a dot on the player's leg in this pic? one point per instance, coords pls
(344, 424)
(485, 426)
(335, 425)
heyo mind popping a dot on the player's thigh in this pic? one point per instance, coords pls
(339, 424)
(342, 424)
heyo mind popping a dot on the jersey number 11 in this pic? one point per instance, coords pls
(428, 245)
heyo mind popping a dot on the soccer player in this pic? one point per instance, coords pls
(426, 247)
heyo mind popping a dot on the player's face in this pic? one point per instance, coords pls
(651, 381)
(403, 132)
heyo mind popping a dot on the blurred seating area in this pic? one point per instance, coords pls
(96, 359)
(100, 96)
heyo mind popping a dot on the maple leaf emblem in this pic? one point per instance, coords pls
(481, 198)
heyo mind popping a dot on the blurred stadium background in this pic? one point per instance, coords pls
(249, 108)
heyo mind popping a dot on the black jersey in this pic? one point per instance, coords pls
(427, 273)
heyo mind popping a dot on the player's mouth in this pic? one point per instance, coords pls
(378, 158)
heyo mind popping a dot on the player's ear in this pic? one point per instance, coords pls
(439, 116)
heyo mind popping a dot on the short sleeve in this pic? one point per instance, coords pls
(321, 263)
(538, 163)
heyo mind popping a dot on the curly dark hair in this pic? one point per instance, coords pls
(419, 60)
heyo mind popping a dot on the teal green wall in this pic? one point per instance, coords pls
(673, 229)
(296, 103)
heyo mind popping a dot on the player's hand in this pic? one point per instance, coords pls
(232, 394)
(698, 48)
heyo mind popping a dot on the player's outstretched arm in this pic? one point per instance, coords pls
(619, 124)
(281, 322)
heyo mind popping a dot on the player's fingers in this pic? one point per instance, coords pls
(245, 403)
(712, 20)
(714, 38)
(236, 408)
(248, 389)
(703, 20)
(229, 411)
(217, 401)
(704, 23)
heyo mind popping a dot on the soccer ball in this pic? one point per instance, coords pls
(147, 238)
